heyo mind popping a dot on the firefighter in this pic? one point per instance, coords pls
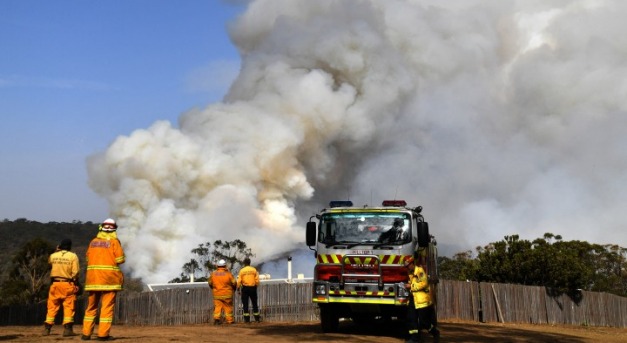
(247, 282)
(412, 316)
(422, 302)
(63, 287)
(103, 279)
(395, 234)
(222, 284)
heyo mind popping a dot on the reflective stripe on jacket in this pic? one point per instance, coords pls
(104, 254)
(222, 283)
(420, 287)
(248, 276)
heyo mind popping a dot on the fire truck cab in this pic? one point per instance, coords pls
(360, 254)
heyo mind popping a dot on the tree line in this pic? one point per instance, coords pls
(562, 266)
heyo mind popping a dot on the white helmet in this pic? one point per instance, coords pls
(222, 263)
(107, 223)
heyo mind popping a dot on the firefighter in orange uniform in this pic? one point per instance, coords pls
(63, 287)
(103, 280)
(247, 282)
(222, 284)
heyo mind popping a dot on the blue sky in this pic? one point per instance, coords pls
(74, 75)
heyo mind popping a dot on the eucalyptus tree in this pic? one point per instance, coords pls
(29, 273)
(206, 256)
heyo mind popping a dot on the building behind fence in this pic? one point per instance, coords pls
(288, 302)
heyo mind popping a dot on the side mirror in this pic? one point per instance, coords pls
(423, 234)
(310, 236)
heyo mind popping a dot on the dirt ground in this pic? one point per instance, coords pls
(460, 332)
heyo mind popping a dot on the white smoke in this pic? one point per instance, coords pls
(498, 117)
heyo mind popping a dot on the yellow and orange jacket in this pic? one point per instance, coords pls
(248, 276)
(104, 255)
(64, 265)
(419, 286)
(222, 283)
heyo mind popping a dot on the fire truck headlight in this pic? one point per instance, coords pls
(321, 290)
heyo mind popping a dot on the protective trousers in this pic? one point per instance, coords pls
(61, 293)
(250, 293)
(225, 305)
(107, 305)
(412, 321)
(426, 319)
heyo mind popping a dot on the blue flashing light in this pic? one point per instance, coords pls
(341, 203)
(394, 203)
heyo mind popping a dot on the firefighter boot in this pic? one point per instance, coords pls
(413, 338)
(258, 318)
(47, 328)
(436, 335)
(67, 330)
(246, 318)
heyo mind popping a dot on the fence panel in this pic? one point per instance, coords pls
(286, 302)
(458, 300)
(167, 307)
(615, 310)
(519, 303)
(277, 302)
(508, 303)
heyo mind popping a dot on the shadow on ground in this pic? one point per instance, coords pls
(451, 332)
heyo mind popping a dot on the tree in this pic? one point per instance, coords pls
(617, 269)
(609, 269)
(133, 285)
(207, 256)
(233, 252)
(461, 267)
(563, 267)
(189, 268)
(570, 266)
(506, 261)
(29, 274)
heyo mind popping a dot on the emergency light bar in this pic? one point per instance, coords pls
(394, 203)
(341, 203)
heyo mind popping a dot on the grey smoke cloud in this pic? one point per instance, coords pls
(498, 117)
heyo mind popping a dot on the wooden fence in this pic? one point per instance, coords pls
(508, 303)
(285, 302)
(277, 302)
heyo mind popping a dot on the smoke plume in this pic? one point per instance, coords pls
(498, 117)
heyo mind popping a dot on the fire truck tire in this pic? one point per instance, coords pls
(328, 319)
(363, 320)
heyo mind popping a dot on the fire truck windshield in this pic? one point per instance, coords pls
(365, 228)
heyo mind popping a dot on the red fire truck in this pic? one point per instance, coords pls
(360, 253)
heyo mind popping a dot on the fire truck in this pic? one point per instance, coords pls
(360, 254)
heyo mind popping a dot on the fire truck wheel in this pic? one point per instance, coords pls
(363, 320)
(328, 319)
